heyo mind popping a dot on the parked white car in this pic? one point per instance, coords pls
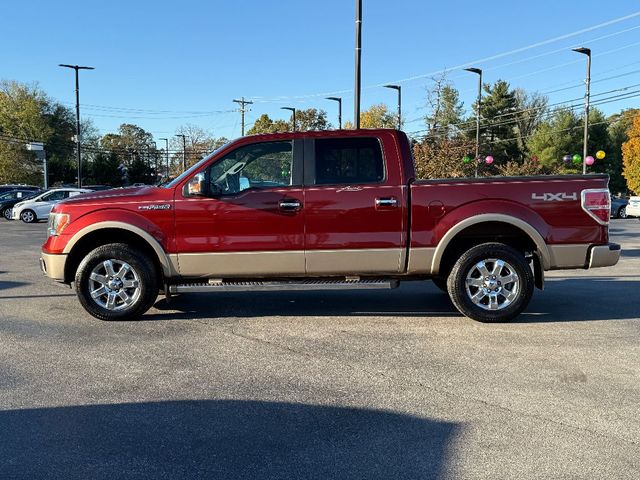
(38, 208)
(633, 208)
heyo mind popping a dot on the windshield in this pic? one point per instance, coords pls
(14, 195)
(194, 168)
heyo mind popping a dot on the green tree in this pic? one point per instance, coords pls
(556, 137)
(445, 110)
(27, 114)
(531, 108)
(498, 127)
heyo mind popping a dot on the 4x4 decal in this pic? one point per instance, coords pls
(554, 197)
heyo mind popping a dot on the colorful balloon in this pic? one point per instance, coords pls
(600, 154)
(489, 159)
(589, 160)
(466, 159)
(567, 158)
(577, 159)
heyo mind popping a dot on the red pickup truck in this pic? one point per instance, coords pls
(326, 210)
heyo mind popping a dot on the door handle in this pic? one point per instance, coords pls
(386, 202)
(289, 205)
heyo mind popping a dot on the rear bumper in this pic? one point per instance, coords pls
(633, 211)
(604, 255)
(53, 265)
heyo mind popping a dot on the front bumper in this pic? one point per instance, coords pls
(52, 265)
(15, 214)
(604, 255)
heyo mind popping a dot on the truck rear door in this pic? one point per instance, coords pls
(354, 207)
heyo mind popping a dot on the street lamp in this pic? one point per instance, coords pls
(587, 96)
(184, 151)
(399, 89)
(166, 151)
(339, 100)
(477, 71)
(293, 110)
(78, 153)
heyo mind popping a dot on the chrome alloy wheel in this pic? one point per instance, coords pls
(114, 285)
(492, 284)
(27, 216)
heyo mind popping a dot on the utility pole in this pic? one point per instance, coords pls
(184, 151)
(399, 89)
(587, 97)
(339, 100)
(356, 101)
(293, 110)
(242, 104)
(166, 151)
(78, 137)
(479, 73)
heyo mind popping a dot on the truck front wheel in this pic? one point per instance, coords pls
(116, 282)
(491, 282)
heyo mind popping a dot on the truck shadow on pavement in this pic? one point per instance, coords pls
(564, 300)
(221, 439)
(7, 284)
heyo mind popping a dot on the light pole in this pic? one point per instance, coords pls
(166, 151)
(587, 97)
(339, 100)
(479, 102)
(358, 65)
(399, 89)
(78, 153)
(184, 151)
(293, 110)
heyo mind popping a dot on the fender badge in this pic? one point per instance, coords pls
(163, 206)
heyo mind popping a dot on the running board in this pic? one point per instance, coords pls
(266, 286)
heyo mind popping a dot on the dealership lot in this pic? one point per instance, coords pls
(351, 384)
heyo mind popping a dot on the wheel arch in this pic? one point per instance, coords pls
(92, 236)
(486, 227)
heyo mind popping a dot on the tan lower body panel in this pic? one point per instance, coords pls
(568, 256)
(356, 261)
(241, 264)
(420, 260)
(275, 263)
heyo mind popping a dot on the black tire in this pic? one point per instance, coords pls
(139, 263)
(622, 212)
(461, 297)
(6, 213)
(441, 283)
(28, 216)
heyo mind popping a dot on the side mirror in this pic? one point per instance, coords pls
(197, 186)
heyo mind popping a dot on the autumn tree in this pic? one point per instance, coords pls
(306, 120)
(376, 116)
(619, 125)
(264, 124)
(631, 156)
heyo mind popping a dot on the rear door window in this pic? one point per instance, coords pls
(348, 161)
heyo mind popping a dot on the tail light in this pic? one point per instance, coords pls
(597, 203)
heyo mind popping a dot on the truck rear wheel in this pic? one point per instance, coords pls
(116, 282)
(491, 282)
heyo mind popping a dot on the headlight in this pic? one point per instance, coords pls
(57, 223)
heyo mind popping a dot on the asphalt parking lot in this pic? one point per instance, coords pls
(354, 384)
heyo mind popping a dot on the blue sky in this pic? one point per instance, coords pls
(158, 63)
